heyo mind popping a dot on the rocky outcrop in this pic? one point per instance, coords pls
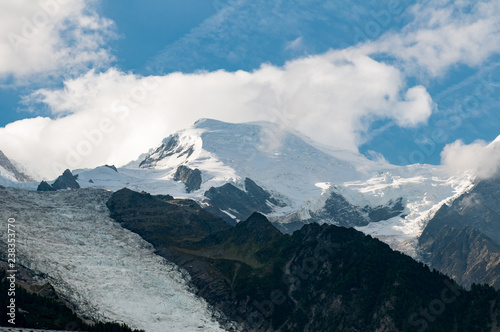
(170, 147)
(463, 253)
(383, 212)
(190, 177)
(341, 212)
(66, 181)
(32, 282)
(338, 210)
(176, 219)
(113, 167)
(45, 186)
(231, 203)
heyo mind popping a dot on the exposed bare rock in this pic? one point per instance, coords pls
(190, 177)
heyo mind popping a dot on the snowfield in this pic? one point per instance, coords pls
(424, 188)
(108, 272)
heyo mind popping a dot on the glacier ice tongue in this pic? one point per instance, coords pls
(108, 272)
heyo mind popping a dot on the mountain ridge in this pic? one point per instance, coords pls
(463, 239)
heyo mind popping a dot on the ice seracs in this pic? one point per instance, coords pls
(424, 190)
(106, 271)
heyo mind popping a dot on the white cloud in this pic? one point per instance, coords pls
(443, 34)
(50, 37)
(330, 98)
(480, 157)
(295, 45)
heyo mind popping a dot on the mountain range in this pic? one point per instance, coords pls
(235, 206)
(297, 181)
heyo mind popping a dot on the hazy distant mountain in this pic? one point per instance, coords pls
(9, 172)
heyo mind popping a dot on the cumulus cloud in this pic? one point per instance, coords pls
(50, 37)
(443, 34)
(479, 157)
(112, 117)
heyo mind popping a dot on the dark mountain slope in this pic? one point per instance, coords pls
(463, 240)
(321, 278)
(344, 214)
(162, 219)
(191, 177)
(240, 204)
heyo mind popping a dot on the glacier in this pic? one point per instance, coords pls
(106, 271)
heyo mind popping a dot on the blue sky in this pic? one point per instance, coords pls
(431, 69)
(146, 27)
(143, 29)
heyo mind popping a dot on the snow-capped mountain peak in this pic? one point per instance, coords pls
(277, 159)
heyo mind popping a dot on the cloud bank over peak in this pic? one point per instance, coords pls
(112, 117)
(480, 157)
(107, 115)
